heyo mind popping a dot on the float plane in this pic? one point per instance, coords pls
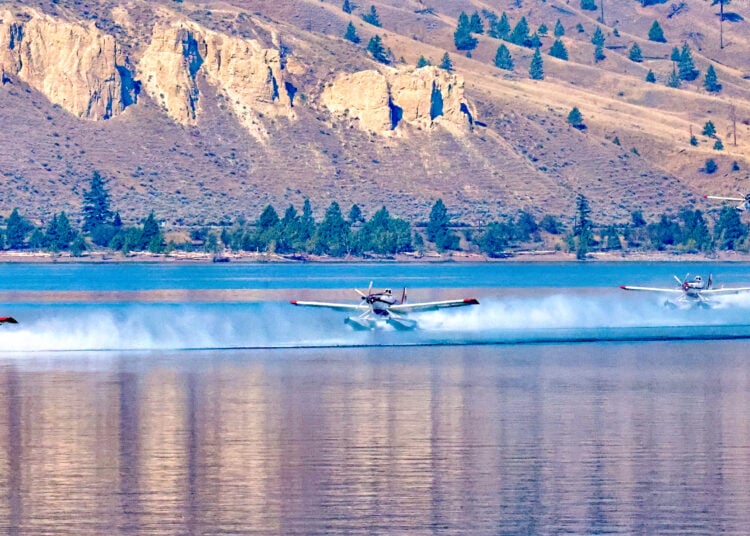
(384, 307)
(8, 320)
(691, 293)
(744, 201)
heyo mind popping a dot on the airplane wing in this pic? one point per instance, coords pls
(432, 306)
(8, 320)
(340, 306)
(720, 291)
(652, 289)
(723, 198)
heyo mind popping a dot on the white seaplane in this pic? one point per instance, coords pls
(383, 307)
(744, 201)
(8, 320)
(691, 293)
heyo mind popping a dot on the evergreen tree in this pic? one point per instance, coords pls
(462, 36)
(721, 3)
(710, 166)
(384, 235)
(612, 238)
(598, 37)
(673, 80)
(582, 230)
(520, 34)
(16, 230)
(675, 56)
(351, 33)
(475, 24)
(501, 28)
(718, 145)
(377, 50)
(333, 233)
(536, 69)
(306, 222)
(686, 66)
(650, 77)
(372, 17)
(355, 215)
(438, 230)
(729, 230)
(151, 236)
(575, 119)
(558, 50)
(709, 129)
(78, 246)
(711, 82)
(495, 239)
(535, 41)
(446, 63)
(695, 233)
(589, 5)
(635, 53)
(347, 7)
(95, 207)
(422, 62)
(542, 30)
(599, 53)
(503, 59)
(559, 29)
(656, 33)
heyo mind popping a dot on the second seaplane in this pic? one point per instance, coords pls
(8, 320)
(744, 202)
(690, 293)
(377, 308)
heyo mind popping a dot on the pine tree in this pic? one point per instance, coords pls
(446, 63)
(501, 28)
(536, 69)
(351, 33)
(583, 227)
(711, 82)
(520, 34)
(422, 62)
(721, 3)
(687, 68)
(542, 30)
(673, 80)
(718, 145)
(475, 24)
(558, 50)
(598, 37)
(559, 29)
(635, 53)
(503, 59)
(599, 53)
(347, 7)
(372, 17)
(16, 230)
(589, 5)
(675, 56)
(333, 234)
(95, 205)
(438, 230)
(377, 50)
(462, 36)
(575, 119)
(656, 33)
(709, 129)
(650, 77)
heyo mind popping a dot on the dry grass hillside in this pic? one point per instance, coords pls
(518, 152)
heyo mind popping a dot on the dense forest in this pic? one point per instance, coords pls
(352, 235)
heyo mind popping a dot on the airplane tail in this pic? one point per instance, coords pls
(710, 280)
(403, 296)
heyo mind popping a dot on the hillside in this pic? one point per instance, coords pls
(204, 112)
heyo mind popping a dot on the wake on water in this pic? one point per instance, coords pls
(554, 318)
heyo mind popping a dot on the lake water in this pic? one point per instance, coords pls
(193, 399)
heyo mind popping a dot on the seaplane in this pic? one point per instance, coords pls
(377, 308)
(8, 320)
(691, 293)
(744, 201)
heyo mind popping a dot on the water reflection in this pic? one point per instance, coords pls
(617, 438)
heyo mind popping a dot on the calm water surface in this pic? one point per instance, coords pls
(121, 432)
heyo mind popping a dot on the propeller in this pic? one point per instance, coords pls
(366, 297)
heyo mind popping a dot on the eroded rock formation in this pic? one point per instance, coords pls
(380, 102)
(73, 65)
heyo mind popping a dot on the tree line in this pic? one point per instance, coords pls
(338, 234)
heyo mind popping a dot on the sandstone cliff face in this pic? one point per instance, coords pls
(73, 65)
(249, 75)
(381, 102)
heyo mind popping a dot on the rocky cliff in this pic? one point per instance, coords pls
(379, 102)
(246, 73)
(71, 64)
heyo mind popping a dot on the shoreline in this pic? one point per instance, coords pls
(428, 258)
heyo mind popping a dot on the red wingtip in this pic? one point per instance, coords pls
(472, 301)
(293, 302)
(705, 197)
(623, 287)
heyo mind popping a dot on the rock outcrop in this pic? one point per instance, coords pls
(248, 74)
(72, 65)
(379, 102)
